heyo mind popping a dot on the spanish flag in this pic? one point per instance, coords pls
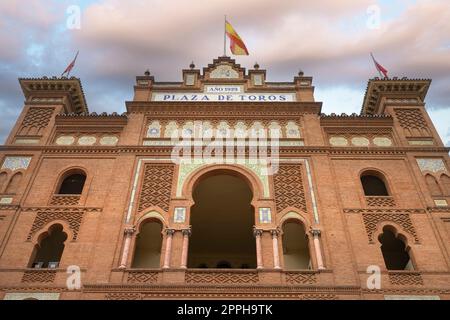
(237, 46)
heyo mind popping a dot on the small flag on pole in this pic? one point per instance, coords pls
(380, 68)
(237, 46)
(70, 66)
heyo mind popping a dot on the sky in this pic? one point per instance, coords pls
(327, 39)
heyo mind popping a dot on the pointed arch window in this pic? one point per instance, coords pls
(49, 249)
(395, 253)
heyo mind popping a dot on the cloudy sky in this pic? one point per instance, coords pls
(327, 39)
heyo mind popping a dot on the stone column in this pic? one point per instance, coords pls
(259, 260)
(128, 232)
(276, 255)
(184, 252)
(316, 234)
(168, 253)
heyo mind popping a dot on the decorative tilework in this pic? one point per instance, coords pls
(26, 141)
(109, 140)
(421, 142)
(441, 203)
(6, 200)
(31, 295)
(16, 163)
(187, 167)
(65, 140)
(87, 140)
(338, 141)
(179, 215)
(265, 215)
(433, 165)
(382, 141)
(360, 141)
(190, 79)
(224, 72)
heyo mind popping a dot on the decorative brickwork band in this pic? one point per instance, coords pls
(35, 120)
(128, 232)
(300, 278)
(43, 217)
(65, 200)
(221, 277)
(412, 122)
(168, 253)
(39, 276)
(289, 191)
(146, 277)
(259, 260)
(184, 251)
(371, 221)
(276, 254)
(405, 278)
(156, 187)
(316, 240)
(380, 201)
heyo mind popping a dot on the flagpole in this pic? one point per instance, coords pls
(225, 37)
(379, 72)
(76, 56)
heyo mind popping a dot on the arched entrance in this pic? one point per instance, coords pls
(222, 220)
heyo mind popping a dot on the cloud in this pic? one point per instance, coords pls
(327, 39)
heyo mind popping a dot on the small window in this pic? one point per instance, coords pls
(373, 186)
(395, 255)
(48, 252)
(72, 184)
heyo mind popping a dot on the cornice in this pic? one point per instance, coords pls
(92, 119)
(67, 86)
(378, 88)
(167, 149)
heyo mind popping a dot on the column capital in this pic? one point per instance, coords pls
(315, 232)
(170, 232)
(129, 230)
(257, 232)
(275, 232)
(186, 232)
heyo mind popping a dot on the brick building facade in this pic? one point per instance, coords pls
(100, 193)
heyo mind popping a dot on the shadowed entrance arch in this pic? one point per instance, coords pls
(222, 220)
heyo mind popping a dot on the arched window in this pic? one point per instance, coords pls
(295, 246)
(433, 185)
(13, 185)
(445, 182)
(147, 253)
(395, 254)
(48, 251)
(3, 177)
(373, 184)
(73, 184)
